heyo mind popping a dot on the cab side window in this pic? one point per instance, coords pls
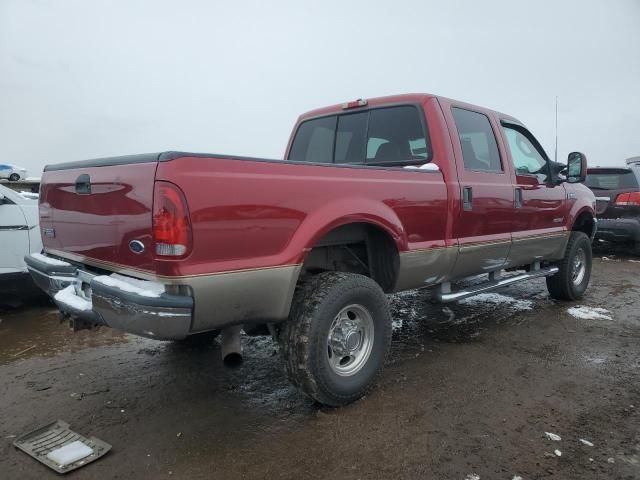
(477, 140)
(527, 159)
(396, 136)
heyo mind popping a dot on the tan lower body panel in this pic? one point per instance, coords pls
(265, 295)
(480, 258)
(232, 298)
(420, 268)
(543, 247)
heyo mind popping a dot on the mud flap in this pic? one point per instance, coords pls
(51, 438)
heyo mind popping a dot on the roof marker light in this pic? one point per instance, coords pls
(355, 104)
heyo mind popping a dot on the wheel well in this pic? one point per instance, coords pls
(584, 223)
(357, 248)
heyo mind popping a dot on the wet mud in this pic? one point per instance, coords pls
(469, 389)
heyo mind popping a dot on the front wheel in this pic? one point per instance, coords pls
(574, 273)
(336, 339)
(14, 177)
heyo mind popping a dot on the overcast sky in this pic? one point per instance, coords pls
(82, 79)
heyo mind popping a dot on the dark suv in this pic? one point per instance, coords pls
(620, 222)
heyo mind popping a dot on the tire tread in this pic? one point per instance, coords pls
(560, 285)
(295, 333)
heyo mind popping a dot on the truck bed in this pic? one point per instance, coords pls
(246, 213)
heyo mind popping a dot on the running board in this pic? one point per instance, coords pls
(445, 295)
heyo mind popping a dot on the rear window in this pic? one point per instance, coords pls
(387, 136)
(314, 141)
(613, 179)
(350, 138)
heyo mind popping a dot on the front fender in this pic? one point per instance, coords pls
(581, 201)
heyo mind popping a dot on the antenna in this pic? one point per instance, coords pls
(555, 159)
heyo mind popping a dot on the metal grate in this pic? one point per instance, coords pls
(41, 441)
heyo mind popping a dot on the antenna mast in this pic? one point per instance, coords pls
(556, 153)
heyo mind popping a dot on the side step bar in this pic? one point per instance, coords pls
(445, 295)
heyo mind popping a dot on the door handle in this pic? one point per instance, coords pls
(83, 184)
(467, 198)
(517, 200)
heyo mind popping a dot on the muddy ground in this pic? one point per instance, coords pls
(469, 390)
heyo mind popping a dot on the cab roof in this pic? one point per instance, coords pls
(398, 99)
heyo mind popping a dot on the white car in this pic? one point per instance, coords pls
(19, 232)
(12, 172)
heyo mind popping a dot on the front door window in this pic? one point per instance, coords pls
(527, 159)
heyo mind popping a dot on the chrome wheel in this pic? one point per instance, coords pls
(579, 267)
(350, 340)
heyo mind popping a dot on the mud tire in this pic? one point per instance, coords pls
(303, 338)
(562, 286)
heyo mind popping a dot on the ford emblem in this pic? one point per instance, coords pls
(136, 246)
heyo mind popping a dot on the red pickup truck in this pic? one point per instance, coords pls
(373, 197)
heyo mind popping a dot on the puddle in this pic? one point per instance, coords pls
(498, 299)
(596, 359)
(584, 312)
(37, 331)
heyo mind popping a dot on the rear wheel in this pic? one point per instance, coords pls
(337, 337)
(14, 177)
(574, 273)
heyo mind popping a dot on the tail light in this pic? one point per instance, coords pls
(171, 224)
(629, 198)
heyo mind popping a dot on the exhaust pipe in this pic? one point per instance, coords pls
(231, 347)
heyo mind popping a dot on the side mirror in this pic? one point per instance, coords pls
(576, 167)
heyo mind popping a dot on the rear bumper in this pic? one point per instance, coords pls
(85, 296)
(619, 229)
(213, 301)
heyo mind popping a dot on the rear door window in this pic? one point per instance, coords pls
(477, 140)
(386, 136)
(611, 179)
(396, 136)
(314, 141)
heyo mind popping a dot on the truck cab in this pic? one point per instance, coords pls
(508, 204)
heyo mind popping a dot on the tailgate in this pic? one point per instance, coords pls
(91, 211)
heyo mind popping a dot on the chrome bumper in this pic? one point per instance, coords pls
(163, 317)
